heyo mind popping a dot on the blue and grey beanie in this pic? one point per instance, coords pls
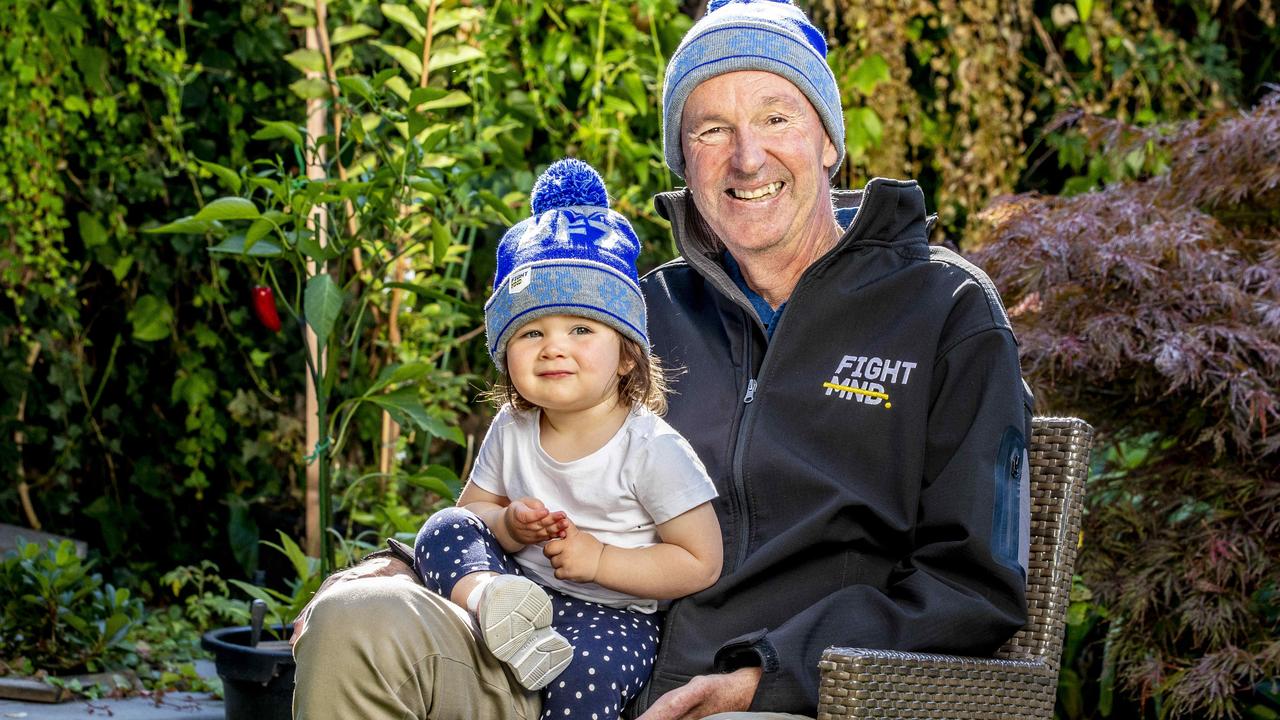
(574, 256)
(770, 35)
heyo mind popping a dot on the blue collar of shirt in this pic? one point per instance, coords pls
(767, 314)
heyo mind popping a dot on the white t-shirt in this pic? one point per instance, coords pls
(644, 476)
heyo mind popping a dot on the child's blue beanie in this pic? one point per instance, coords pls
(770, 35)
(574, 256)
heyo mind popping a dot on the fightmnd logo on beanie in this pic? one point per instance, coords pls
(769, 35)
(574, 256)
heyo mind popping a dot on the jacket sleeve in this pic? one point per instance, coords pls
(960, 589)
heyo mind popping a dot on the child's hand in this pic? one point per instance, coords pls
(576, 557)
(530, 522)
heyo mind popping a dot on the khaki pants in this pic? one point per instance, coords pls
(386, 648)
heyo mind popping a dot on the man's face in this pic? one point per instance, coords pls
(756, 158)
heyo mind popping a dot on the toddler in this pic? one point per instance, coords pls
(584, 508)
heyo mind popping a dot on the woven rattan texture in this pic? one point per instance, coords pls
(1022, 682)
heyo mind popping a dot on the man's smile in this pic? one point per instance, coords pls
(762, 192)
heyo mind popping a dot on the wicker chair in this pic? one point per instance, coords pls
(1022, 680)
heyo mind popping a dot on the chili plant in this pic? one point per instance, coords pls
(327, 245)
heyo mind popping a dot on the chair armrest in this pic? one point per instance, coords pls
(859, 683)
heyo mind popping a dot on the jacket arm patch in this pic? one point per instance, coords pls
(1011, 519)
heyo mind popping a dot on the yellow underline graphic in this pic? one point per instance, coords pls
(858, 391)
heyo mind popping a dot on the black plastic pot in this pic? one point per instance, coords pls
(257, 682)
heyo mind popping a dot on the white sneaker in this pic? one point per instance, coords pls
(515, 621)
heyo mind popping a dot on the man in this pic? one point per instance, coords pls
(854, 393)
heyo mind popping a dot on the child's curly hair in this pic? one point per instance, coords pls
(645, 385)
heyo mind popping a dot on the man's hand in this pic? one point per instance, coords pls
(576, 557)
(386, 566)
(529, 522)
(707, 695)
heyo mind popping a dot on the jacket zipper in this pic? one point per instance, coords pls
(739, 474)
(739, 448)
(645, 698)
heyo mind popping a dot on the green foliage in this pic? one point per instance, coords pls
(979, 98)
(207, 605)
(58, 615)
(124, 383)
(283, 607)
(581, 79)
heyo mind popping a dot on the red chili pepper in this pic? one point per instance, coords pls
(264, 306)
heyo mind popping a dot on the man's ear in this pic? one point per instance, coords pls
(829, 154)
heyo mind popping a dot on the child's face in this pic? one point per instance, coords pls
(565, 363)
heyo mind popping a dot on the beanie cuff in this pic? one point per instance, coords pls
(563, 287)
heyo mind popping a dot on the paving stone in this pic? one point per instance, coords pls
(176, 706)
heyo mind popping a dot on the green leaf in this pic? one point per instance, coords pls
(1085, 8)
(863, 130)
(272, 129)
(425, 94)
(121, 266)
(456, 55)
(309, 246)
(186, 224)
(417, 123)
(242, 532)
(439, 480)
(229, 208)
(92, 234)
(1078, 42)
(347, 33)
(76, 103)
(441, 239)
(258, 230)
(457, 98)
(302, 565)
(230, 178)
(395, 374)
(872, 71)
(383, 76)
(322, 302)
(357, 85)
(310, 88)
(404, 17)
(425, 292)
(397, 85)
(276, 189)
(507, 214)
(437, 160)
(306, 60)
(407, 59)
(235, 245)
(272, 598)
(449, 18)
(872, 124)
(405, 407)
(151, 317)
(434, 484)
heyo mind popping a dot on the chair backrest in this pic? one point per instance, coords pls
(1059, 454)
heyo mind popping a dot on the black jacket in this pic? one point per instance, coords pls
(870, 458)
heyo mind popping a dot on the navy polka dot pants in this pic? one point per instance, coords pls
(614, 649)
